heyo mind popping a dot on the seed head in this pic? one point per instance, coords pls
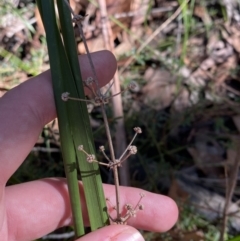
(137, 130)
(132, 150)
(80, 148)
(101, 148)
(65, 96)
(128, 207)
(89, 81)
(90, 158)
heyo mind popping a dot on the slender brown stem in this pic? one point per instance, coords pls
(128, 146)
(111, 149)
(89, 57)
(112, 154)
(78, 19)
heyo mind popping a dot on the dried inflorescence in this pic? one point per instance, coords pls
(130, 150)
(131, 211)
(101, 100)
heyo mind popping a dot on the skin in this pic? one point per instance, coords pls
(31, 210)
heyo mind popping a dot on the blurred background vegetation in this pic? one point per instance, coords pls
(184, 58)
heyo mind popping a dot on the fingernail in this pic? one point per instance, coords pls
(128, 235)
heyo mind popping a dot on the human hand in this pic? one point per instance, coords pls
(31, 210)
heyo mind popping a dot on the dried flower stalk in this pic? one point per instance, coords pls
(101, 100)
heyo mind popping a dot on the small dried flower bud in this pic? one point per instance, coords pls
(90, 158)
(101, 148)
(128, 206)
(137, 130)
(89, 81)
(142, 194)
(132, 150)
(141, 207)
(80, 148)
(65, 96)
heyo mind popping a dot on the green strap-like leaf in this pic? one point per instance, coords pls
(61, 72)
(82, 133)
(74, 124)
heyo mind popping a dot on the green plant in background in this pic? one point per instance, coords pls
(13, 65)
(237, 238)
(7, 8)
(31, 67)
(190, 221)
(187, 24)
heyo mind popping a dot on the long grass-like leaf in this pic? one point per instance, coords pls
(61, 72)
(74, 124)
(82, 133)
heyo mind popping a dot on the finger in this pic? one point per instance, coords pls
(45, 205)
(160, 212)
(113, 233)
(27, 108)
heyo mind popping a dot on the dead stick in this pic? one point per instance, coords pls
(120, 140)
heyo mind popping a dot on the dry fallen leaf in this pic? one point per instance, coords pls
(160, 89)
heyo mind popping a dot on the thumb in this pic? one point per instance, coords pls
(114, 233)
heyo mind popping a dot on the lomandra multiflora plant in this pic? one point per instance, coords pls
(101, 100)
(74, 126)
